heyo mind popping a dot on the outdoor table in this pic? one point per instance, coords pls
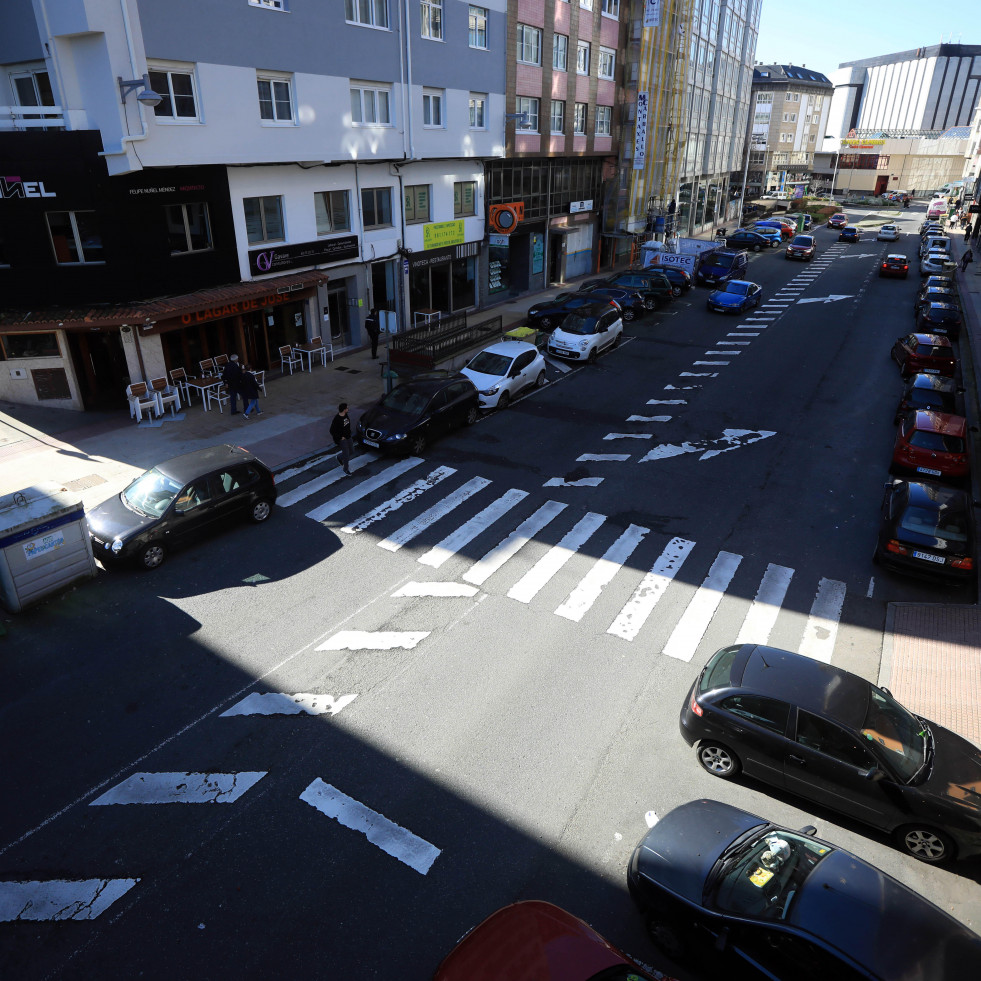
(308, 351)
(202, 385)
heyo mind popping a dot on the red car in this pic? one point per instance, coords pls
(802, 247)
(838, 221)
(932, 444)
(536, 941)
(927, 353)
(894, 265)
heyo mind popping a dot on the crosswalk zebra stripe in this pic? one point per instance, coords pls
(821, 628)
(667, 401)
(394, 503)
(363, 489)
(485, 567)
(581, 482)
(602, 457)
(60, 899)
(447, 589)
(467, 532)
(415, 527)
(647, 419)
(279, 703)
(762, 613)
(694, 374)
(698, 615)
(628, 436)
(319, 483)
(641, 604)
(180, 788)
(373, 640)
(712, 363)
(722, 353)
(529, 585)
(581, 599)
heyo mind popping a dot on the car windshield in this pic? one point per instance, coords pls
(898, 734)
(576, 323)
(804, 240)
(489, 363)
(725, 261)
(739, 288)
(406, 399)
(764, 876)
(151, 493)
(935, 523)
(921, 398)
(718, 670)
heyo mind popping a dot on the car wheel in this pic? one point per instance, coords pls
(417, 444)
(650, 303)
(926, 844)
(616, 340)
(676, 291)
(505, 399)
(756, 246)
(545, 323)
(666, 937)
(628, 314)
(472, 415)
(719, 760)
(260, 511)
(152, 555)
(540, 380)
(591, 359)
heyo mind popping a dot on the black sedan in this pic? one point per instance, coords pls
(928, 392)
(418, 411)
(178, 502)
(746, 238)
(652, 282)
(935, 294)
(746, 898)
(926, 532)
(546, 315)
(939, 318)
(630, 301)
(836, 739)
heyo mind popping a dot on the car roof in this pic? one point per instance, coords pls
(937, 340)
(937, 382)
(510, 349)
(739, 282)
(190, 465)
(932, 421)
(595, 308)
(934, 497)
(896, 255)
(430, 382)
(944, 307)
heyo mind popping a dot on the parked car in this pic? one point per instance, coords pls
(834, 738)
(849, 234)
(939, 318)
(179, 502)
(546, 315)
(928, 353)
(586, 333)
(742, 897)
(785, 230)
(802, 247)
(503, 371)
(838, 220)
(754, 239)
(795, 215)
(679, 279)
(928, 223)
(888, 233)
(632, 303)
(895, 266)
(928, 392)
(536, 941)
(419, 411)
(935, 282)
(931, 243)
(937, 263)
(722, 265)
(936, 294)
(652, 283)
(931, 444)
(735, 296)
(926, 531)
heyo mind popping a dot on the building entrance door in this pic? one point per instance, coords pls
(337, 310)
(100, 367)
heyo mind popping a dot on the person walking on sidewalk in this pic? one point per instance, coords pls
(966, 260)
(373, 329)
(340, 431)
(249, 388)
(231, 375)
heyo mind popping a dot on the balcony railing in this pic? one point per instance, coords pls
(40, 117)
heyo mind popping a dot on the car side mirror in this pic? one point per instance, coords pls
(808, 830)
(874, 774)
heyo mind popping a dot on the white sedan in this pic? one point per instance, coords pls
(503, 370)
(937, 263)
(888, 233)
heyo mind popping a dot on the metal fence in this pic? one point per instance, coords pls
(427, 345)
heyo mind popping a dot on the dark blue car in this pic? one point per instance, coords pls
(736, 296)
(849, 234)
(546, 315)
(746, 238)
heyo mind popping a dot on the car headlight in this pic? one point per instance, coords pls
(116, 547)
(397, 436)
(583, 344)
(491, 391)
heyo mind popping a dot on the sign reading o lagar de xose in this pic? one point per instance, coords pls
(439, 234)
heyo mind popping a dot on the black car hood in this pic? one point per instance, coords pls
(388, 421)
(679, 851)
(112, 519)
(956, 771)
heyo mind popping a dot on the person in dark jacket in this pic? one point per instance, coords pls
(373, 329)
(340, 431)
(249, 388)
(966, 260)
(231, 375)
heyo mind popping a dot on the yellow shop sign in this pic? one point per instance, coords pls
(440, 234)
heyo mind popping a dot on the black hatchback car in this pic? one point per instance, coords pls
(939, 318)
(838, 740)
(546, 315)
(929, 392)
(749, 899)
(652, 284)
(178, 502)
(419, 411)
(630, 301)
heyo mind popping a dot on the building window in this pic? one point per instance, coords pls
(332, 211)
(417, 203)
(607, 62)
(464, 198)
(264, 219)
(432, 19)
(529, 45)
(30, 346)
(793, 117)
(268, 4)
(478, 27)
(188, 228)
(75, 237)
(611, 7)
(604, 120)
(275, 100)
(557, 123)
(176, 91)
(530, 108)
(582, 57)
(478, 110)
(376, 206)
(580, 123)
(560, 53)
(368, 13)
(432, 108)
(586, 4)
(764, 98)
(371, 105)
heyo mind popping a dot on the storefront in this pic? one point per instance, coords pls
(443, 279)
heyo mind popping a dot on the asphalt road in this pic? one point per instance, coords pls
(516, 712)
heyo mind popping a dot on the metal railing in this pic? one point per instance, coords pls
(426, 346)
(32, 117)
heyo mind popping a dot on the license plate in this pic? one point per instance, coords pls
(933, 473)
(371, 442)
(929, 558)
(931, 371)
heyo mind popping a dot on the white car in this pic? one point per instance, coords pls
(937, 263)
(888, 233)
(587, 332)
(504, 370)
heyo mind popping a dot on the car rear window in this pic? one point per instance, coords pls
(938, 442)
(934, 524)
(718, 671)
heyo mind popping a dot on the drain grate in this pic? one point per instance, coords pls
(83, 483)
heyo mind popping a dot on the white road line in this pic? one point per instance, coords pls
(394, 503)
(529, 585)
(649, 418)
(373, 640)
(724, 353)
(285, 475)
(690, 629)
(447, 589)
(871, 588)
(762, 613)
(735, 343)
(415, 527)
(587, 592)
(582, 482)
(181, 788)
(747, 334)
(602, 457)
(821, 628)
(60, 899)
(694, 374)
(485, 567)
(364, 488)
(641, 604)
(390, 837)
(710, 363)
(319, 483)
(628, 435)
(467, 532)
(279, 703)
(681, 388)
(667, 401)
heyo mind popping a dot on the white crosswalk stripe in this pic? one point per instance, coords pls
(363, 489)
(763, 612)
(698, 615)
(394, 503)
(415, 527)
(467, 532)
(60, 899)
(821, 629)
(180, 788)
(279, 703)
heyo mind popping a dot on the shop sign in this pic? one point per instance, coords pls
(239, 306)
(862, 144)
(17, 187)
(439, 234)
(640, 132)
(652, 13)
(37, 547)
(167, 189)
(576, 206)
(498, 240)
(283, 257)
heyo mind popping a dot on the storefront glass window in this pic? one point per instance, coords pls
(31, 345)
(464, 282)
(498, 267)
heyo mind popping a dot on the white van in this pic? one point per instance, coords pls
(938, 208)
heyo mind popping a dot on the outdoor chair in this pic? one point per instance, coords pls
(207, 367)
(287, 359)
(140, 399)
(327, 347)
(178, 378)
(220, 361)
(260, 380)
(166, 395)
